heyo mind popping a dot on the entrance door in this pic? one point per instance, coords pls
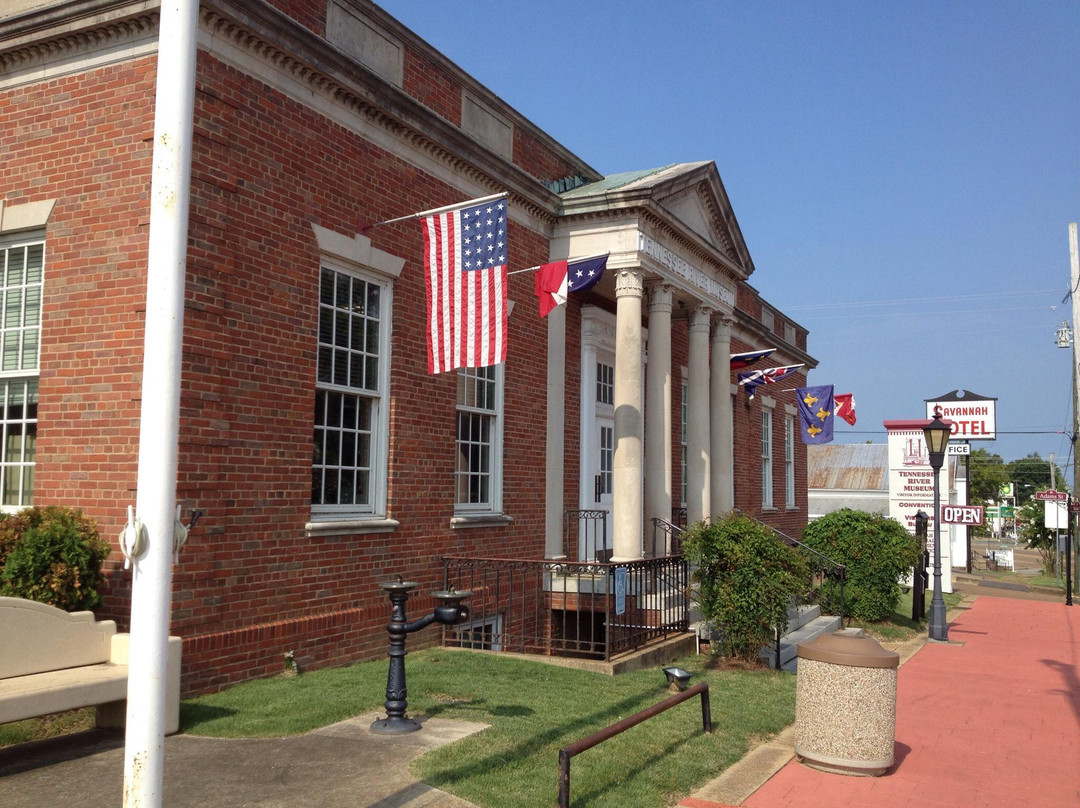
(596, 542)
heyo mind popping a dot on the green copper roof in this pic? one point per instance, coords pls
(614, 182)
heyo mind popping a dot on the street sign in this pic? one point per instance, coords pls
(1008, 512)
(958, 449)
(961, 514)
(1051, 496)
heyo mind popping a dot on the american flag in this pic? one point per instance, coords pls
(465, 254)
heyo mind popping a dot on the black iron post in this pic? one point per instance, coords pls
(1068, 550)
(937, 438)
(448, 611)
(918, 577)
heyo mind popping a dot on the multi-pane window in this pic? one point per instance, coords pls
(605, 383)
(606, 478)
(789, 463)
(21, 264)
(347, 464)
(766, 459)
(479, 455)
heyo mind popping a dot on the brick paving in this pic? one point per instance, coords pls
(990, 720)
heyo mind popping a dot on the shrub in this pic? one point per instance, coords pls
(55, 557)
(877, 552)
(746, 577)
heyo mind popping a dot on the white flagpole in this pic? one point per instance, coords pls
(568, 260)
(434, 211)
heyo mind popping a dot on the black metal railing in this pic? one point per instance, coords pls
(591, 610)
(585, 535)
(666, 537)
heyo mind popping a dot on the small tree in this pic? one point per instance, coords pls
(1033, 531)
(876, 551)
(746, 577)
(55, 557)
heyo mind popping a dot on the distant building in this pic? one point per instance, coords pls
(852, 476)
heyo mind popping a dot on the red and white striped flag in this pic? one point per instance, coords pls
(465, 257)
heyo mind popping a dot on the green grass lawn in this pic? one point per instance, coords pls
(900, 626)
(533, 710)
(1048, 581)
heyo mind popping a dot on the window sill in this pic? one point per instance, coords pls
(480, 520)
(344, 527)
(769, 509)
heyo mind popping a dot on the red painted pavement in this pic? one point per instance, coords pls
(994, 723)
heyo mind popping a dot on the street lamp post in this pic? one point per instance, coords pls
(936, 434)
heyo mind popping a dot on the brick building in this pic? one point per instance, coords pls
(304, 330)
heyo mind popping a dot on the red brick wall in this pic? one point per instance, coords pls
(250, 584)
(85, 141)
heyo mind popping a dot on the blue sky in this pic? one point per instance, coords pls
(903, 173)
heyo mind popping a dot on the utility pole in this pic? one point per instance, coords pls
(1074, 289)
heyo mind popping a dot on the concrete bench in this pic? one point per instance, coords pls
(52, 660)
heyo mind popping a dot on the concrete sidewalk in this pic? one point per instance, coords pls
(990, 719)
(340, 766)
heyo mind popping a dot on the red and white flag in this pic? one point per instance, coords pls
(845, 406)
(465, 257)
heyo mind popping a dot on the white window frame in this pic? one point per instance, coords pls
(496, 414)
(379, 398)
(766, 458)
(24, 376)
(789, 462)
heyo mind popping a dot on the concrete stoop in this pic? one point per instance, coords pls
(804, 624)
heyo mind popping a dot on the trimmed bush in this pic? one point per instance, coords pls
(55, 557)
(877, 552)
(746, 577)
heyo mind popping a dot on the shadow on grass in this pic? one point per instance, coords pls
(640, 769)
(192, 714)
(37, 754)
(526, 747)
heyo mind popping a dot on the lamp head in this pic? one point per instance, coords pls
(677, 678)
(936, 434)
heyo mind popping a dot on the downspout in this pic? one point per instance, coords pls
(170, 193)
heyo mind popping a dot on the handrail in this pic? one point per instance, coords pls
(668, 527)
(589, 741)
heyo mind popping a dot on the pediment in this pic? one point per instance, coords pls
(694, 210)
(690, 196)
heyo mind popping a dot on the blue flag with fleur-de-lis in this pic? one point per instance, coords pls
(815, 413)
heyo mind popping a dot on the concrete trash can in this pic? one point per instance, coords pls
(845, 704)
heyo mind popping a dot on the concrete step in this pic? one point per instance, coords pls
(826, 624)
(799, 616)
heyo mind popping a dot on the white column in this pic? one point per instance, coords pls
(698, 419)
(627, 499)
(722, 483)
(555, 477)
(658, 414)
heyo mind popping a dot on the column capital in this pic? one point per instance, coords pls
(629, 282)
(660, 296)
(699, 318)
(722, 325)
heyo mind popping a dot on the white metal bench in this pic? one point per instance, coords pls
(52, 660)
